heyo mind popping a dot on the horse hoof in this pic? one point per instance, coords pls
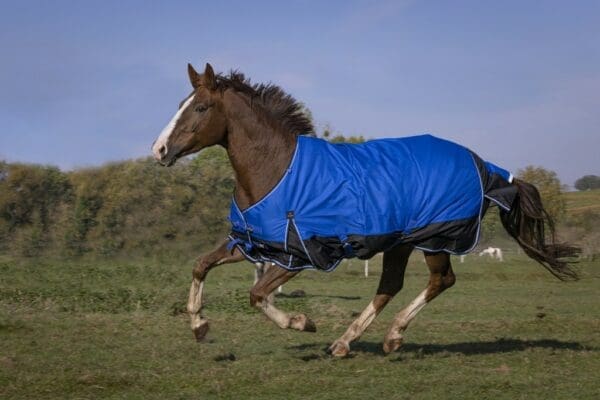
(391, 345)
(201, 331)
(302, 323)
(339, 349)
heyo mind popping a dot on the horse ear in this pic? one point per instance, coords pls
(195, 78)
(208, 78)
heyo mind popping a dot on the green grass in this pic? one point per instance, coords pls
(78, 330)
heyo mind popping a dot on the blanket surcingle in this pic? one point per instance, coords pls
(339, 201)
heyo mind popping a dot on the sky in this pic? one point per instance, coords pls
(83, 83)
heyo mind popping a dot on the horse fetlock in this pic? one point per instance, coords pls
(339, 348)
(200, 270)
(200, 329)
(256, 299)
(392, 342)
(302, 323)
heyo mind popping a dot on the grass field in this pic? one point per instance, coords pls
(104, 330)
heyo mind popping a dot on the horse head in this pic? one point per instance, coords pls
(200, 121)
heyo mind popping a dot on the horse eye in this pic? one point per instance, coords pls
(200, 108)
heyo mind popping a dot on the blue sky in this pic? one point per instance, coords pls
(87, 82)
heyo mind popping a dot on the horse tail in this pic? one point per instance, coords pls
(527, 221)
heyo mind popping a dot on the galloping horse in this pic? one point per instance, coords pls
(314, 203)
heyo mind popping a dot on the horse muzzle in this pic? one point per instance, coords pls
(164, 155)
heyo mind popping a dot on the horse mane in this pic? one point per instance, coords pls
(279, 107)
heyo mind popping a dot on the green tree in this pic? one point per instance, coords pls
(588, 182)
(335, 137)
(549, 186)
(29, 189)
(80, 214)
(30, 240)
(30, 197)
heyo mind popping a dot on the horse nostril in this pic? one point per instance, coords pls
(162, 150)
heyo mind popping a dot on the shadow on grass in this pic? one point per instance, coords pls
(465, 348)
(490, 347)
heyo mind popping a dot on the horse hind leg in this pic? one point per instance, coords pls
(441, 278)
(390, 283)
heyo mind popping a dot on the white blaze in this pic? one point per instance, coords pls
(168, 130)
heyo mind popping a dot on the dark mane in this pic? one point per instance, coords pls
(281, 108)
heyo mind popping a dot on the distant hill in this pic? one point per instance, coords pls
(579, 202)
(581, 224)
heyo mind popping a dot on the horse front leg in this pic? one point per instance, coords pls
(221, 255)
(259, 298)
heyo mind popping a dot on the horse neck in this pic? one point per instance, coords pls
(259, 153)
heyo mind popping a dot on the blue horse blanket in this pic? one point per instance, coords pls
(339, 201)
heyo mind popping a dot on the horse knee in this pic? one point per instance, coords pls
(200, 269)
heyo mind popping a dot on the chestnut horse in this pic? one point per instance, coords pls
(255, 123)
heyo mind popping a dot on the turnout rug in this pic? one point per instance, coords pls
(339, 201)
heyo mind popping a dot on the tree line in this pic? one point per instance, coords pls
(588, 182)
(132, 207)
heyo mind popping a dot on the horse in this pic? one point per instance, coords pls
(493, 252)
(341, 196)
